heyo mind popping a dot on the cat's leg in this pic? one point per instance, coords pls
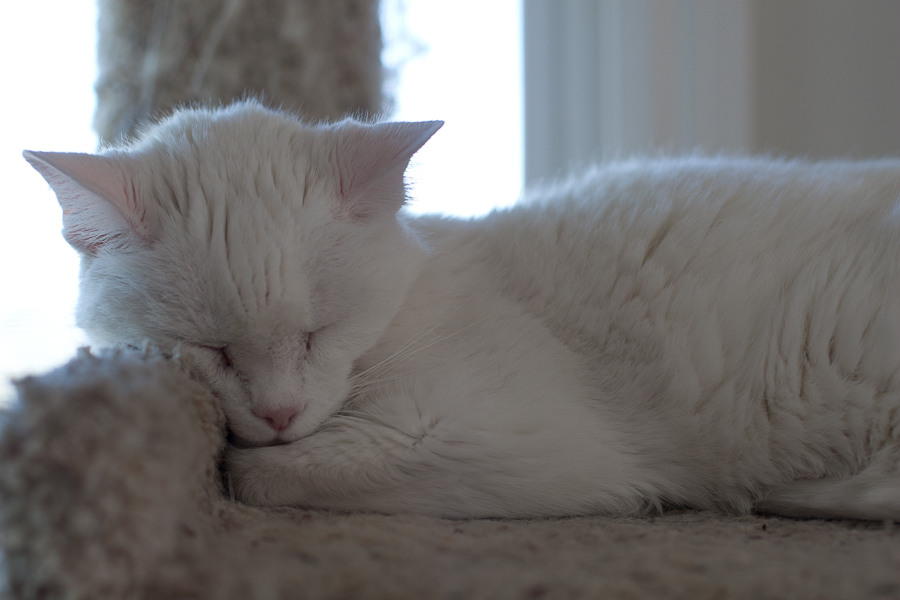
(361, 464)
(346, 466)
(872, 494)
(437, 468)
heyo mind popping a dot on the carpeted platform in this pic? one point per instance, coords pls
(109, 488)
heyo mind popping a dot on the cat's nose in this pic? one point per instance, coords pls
(279, 418)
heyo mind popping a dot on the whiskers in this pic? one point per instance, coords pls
(387, 370)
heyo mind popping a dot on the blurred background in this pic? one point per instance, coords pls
(529, 90)
(815, 78)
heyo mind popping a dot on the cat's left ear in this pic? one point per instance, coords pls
(102, 208)
(371, 161)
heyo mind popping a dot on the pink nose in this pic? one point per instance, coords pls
(279, 418)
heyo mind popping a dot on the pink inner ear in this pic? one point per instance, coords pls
(102, 208)
(371, 163)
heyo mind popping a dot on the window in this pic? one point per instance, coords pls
(50, 64)
(460, 61)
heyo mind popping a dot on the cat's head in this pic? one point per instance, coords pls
(268, 249)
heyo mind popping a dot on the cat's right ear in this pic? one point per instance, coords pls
(371, 162)
(102, 208)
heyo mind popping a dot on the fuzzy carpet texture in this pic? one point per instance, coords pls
(110, 488)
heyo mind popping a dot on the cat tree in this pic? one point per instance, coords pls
(321, 58)
(110, 485)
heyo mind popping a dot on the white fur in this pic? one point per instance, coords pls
(692, 332)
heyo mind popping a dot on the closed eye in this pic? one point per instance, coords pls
(221, 355)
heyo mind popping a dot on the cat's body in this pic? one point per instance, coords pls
(695, 332)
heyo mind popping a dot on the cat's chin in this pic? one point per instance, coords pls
(237, 441)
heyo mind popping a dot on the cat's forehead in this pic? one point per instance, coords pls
(244, 173)
(233, 132)
(217, 296)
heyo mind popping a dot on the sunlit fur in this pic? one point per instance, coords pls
(693, 332)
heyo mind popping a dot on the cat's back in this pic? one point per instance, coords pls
(649, 228)
(687, 205)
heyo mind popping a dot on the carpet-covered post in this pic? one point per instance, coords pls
(321, 58)
(107, 475)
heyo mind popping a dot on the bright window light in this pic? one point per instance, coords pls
(460, 62)
(449, 66)
(48, 58)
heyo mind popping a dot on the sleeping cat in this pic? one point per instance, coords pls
(701, 332)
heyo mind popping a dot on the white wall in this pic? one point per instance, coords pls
(828, 77)
(611, 77)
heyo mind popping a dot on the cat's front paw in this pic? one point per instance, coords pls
(252, 473)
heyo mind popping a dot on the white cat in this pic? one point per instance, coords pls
(700, 332)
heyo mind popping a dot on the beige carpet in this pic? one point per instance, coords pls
(109, 488)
